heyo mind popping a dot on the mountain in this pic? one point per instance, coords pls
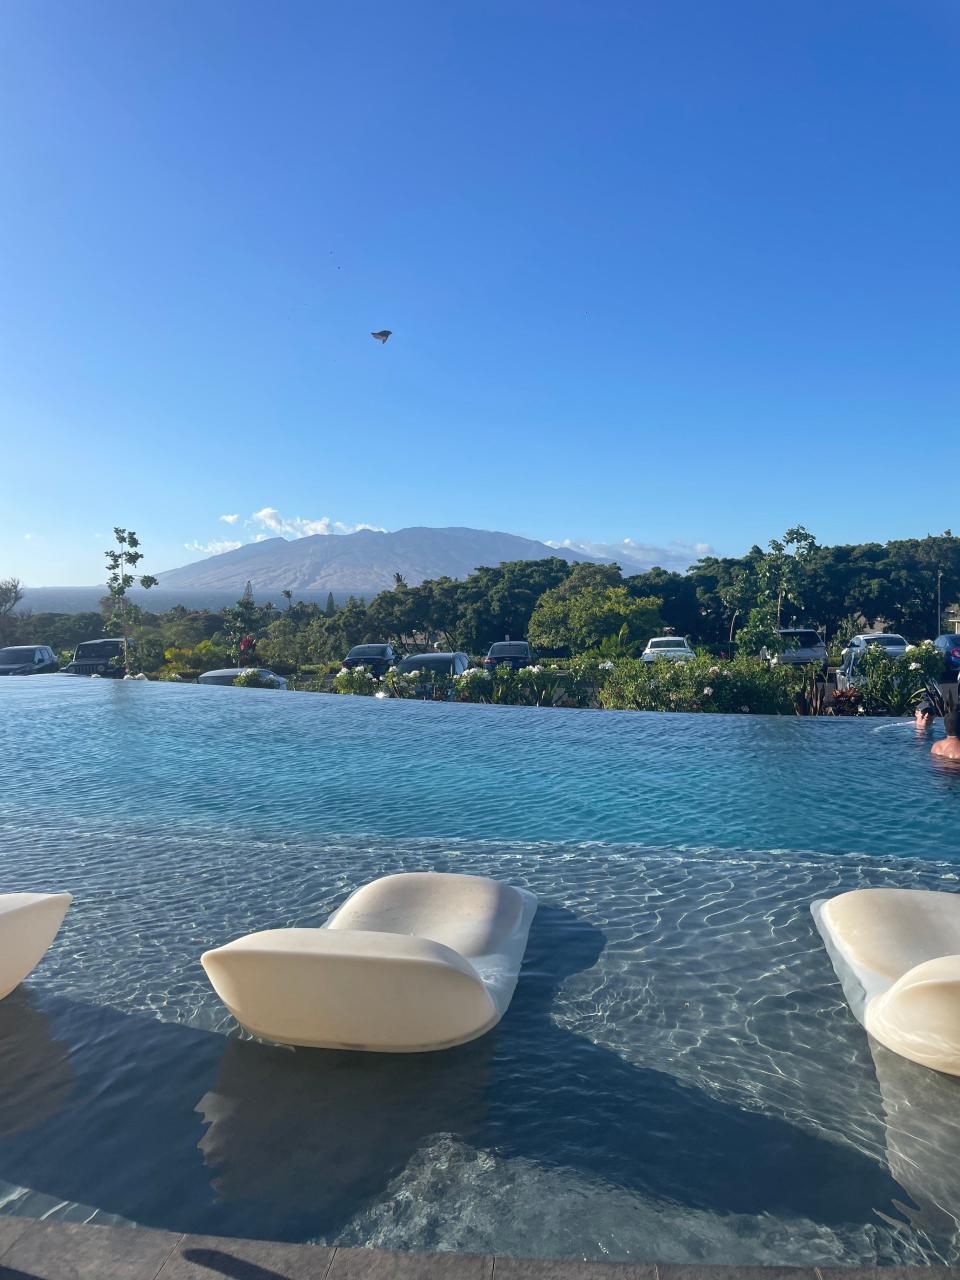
(363, 562)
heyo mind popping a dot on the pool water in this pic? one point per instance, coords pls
(678, 1077)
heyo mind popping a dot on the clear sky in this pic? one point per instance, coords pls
(678, 271)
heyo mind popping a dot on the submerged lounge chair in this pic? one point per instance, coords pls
(28, 924)
(897, 955)
(416, 961)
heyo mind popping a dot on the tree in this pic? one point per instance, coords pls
(243, 624)
(583, 620)
(288, 596)
(779, 574)
(120, 579)
(496, 602)
(331, 608)
(680, 607)
(11, 593)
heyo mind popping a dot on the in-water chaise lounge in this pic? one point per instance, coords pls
(416, 961)
(28, 924)
(897, 954)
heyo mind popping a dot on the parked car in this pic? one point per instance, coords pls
(949, 646)
(430, 666)
(27, 660)
(895, 645)
(673, 648)
(97, 658)
(802, 646)
(378, 658)
(228, 675)
(515, 654)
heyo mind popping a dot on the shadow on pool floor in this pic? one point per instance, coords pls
(184, 1129)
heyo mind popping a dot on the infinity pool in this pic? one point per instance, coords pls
(678, 1077)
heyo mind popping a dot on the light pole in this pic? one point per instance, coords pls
(939, 612)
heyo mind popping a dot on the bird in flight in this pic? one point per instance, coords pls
(382, 334)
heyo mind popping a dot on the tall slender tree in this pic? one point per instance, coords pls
(120, 564)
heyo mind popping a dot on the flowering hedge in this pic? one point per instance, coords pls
(536, 686)
(743, 685)
(701, 684)
(356, 680)
(891, 685)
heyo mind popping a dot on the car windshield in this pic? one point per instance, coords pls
(368, 651)
(671, 642)
(99, 648)
(800, 639)
(426, 662)
(16, 655)
(889, 642)
(515, 649)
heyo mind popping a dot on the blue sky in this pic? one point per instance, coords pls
(673, 271)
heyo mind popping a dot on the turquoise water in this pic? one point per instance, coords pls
(678, 1076)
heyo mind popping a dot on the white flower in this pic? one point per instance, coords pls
(707, 691)
(744, 708)
(606, 666)
(411, 674)
(714, 671)
(381, 693)
(360, 668)
(914, 666)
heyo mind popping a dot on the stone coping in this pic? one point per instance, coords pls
(33, 1249)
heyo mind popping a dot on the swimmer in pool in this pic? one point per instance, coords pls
(948, 748)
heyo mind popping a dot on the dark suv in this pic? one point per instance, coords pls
(27, 660)
(509, 653)
(378, 658)
(96, 658)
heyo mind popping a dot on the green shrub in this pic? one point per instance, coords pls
(252, 679)
(891, 685)
(742, 685)
(356, 680)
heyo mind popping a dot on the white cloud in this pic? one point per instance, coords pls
(299, 527)
(211, 548)
(230, 519)
(28, 537)
(636, 557)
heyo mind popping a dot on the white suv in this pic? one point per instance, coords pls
(673, 648)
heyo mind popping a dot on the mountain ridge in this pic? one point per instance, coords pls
(364, 562)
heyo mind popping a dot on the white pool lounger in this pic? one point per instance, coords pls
(28, 925)
(416, 961)
(897, 955)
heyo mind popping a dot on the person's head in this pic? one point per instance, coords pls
(950, 718)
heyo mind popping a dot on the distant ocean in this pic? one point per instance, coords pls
(158, 599)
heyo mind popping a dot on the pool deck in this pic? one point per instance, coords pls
(49, 1250)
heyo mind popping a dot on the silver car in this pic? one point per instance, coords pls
(850, 667)
(801, 646)
(895, 645)
(228, 675)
